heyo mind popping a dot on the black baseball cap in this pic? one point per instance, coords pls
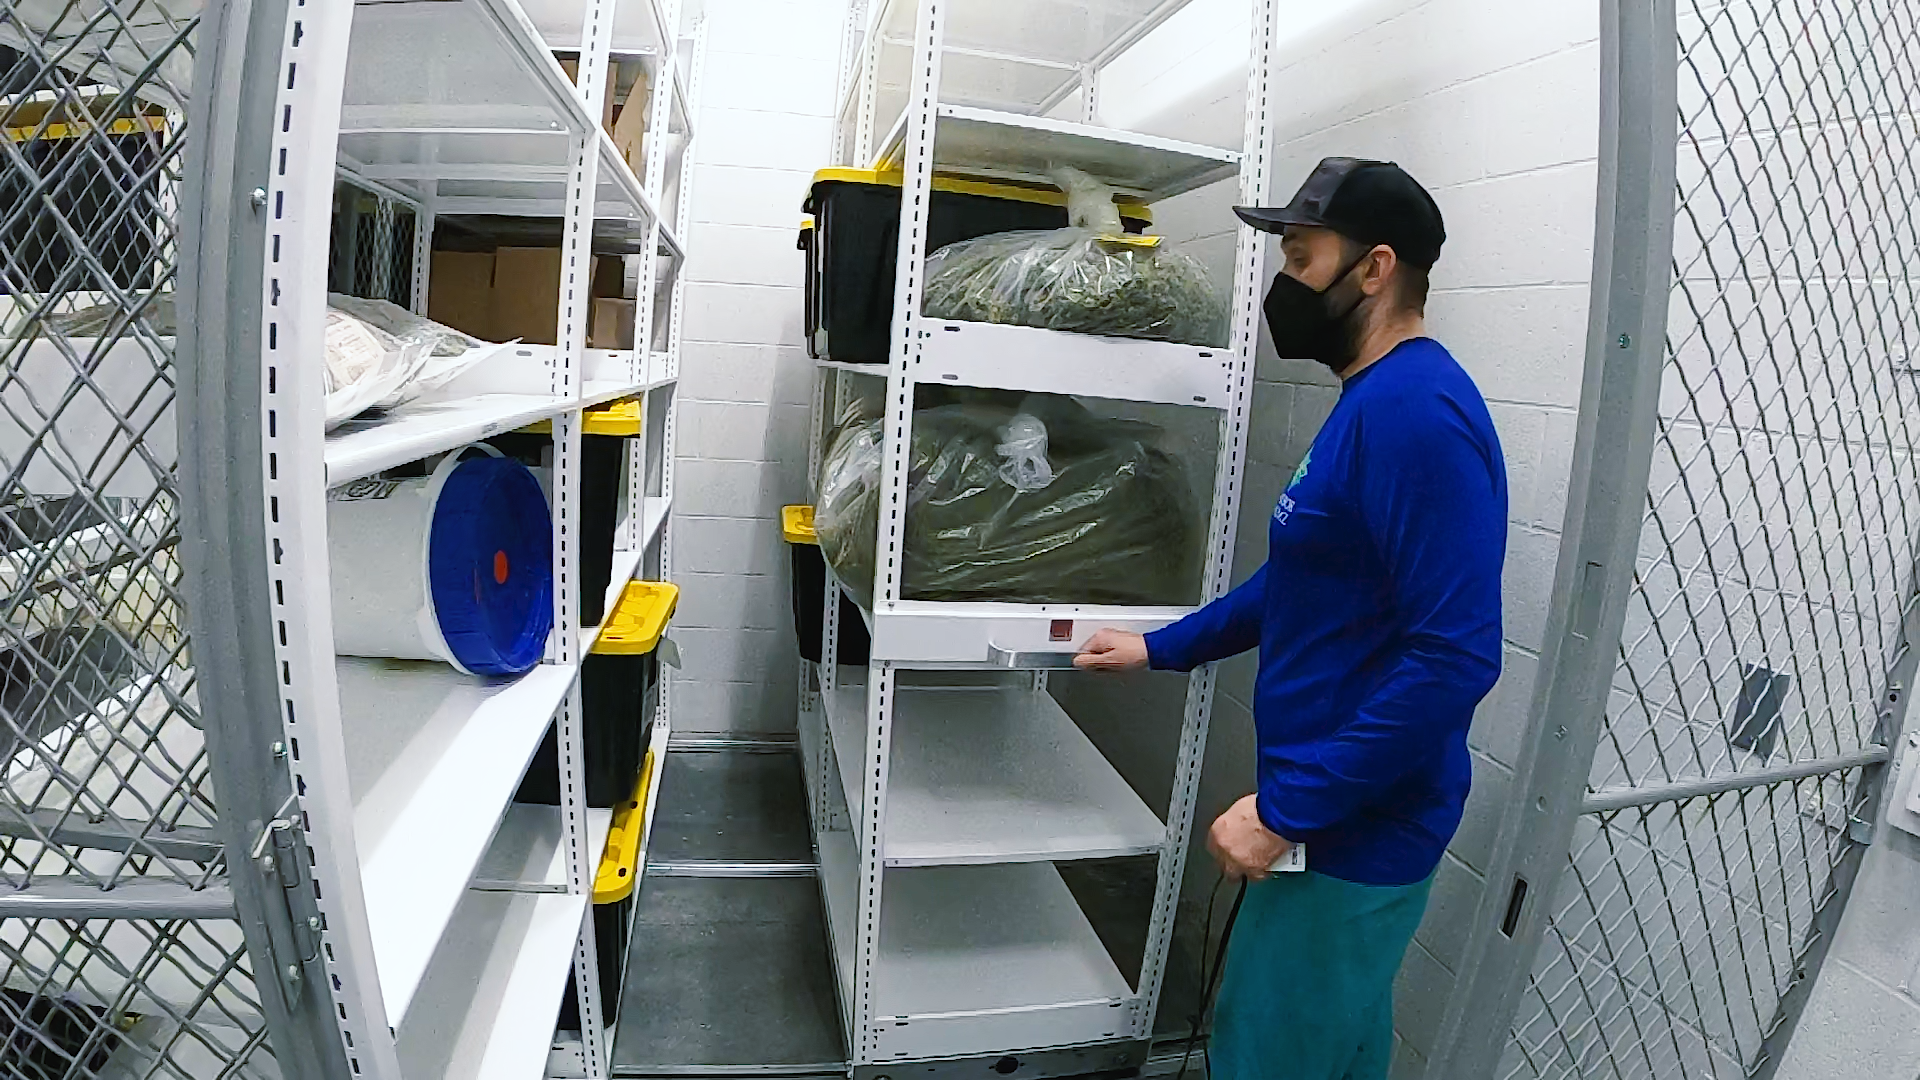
(1371, 202)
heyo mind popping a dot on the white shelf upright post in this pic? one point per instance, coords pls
(576, 274)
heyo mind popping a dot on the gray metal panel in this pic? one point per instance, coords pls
(727, 972)
(1613, 452)
(139, 898)
(729, 806)
(190, 843)
(223, 546)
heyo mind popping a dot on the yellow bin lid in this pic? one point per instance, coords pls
(634, 626)
(796, 525)
(614, 879)
(1046, 195)
(622, 417)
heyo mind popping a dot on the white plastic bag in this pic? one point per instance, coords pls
(1023, 443)
(1090, 203)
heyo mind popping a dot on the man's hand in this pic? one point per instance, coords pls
(1113, 650)
(1242, 846)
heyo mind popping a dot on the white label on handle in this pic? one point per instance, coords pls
(1294, 860)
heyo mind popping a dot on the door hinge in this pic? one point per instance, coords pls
(279, 854)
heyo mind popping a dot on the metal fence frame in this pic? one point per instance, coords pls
(141, 957)
(219, 408)
(1612, 457)
(1764, 293)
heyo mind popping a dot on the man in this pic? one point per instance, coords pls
(1377, 617)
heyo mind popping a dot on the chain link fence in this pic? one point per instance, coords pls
(1777, 556)
(105, 789)
(372, 254)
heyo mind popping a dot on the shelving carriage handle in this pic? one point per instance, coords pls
(1029, 661)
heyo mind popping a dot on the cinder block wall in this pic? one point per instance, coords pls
(1493, 104)
(745, 379)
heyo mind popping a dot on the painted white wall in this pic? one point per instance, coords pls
(765, 99)
(1493, 105)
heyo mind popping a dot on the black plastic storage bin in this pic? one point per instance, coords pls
(614, 679)
(610, 922)
(809, 594)
(852, 244)
(611, 917)
(603, 462)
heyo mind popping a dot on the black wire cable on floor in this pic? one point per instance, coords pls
(1210, 978)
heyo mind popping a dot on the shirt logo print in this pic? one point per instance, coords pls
(1284, 509)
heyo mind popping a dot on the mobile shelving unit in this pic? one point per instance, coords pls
(402, 915)
(942, 806)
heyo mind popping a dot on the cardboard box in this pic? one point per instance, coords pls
(460, 292)
(511, 293)
(612, 325)
(608, 110)
(526, 294)
(610, 277)
(630, 127)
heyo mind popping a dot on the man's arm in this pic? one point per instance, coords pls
(1433, 508)
(1227, 627)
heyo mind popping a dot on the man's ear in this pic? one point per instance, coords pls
(1381, 262)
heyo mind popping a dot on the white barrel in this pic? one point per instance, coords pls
(377, 535)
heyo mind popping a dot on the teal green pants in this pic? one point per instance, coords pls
(1308, 989)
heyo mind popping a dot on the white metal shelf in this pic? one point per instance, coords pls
(960, 353)
(433, 756)
(487, 1006)
(963, 948)
(369, 444)
(462, 105)
(991, 775)
(639, 26)
(1011, 146)
(975, 938)
(366, 446)
(943, 633)
(528, 851)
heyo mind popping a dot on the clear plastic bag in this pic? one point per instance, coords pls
(1112, 523)
(449, 352)
(381, 356)
(365, 367)
(1090, 278)
(405, 325)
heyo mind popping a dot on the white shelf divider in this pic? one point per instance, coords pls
(839, 877)
(847, 735)
(527, 853)
(487, 1006)
(433, 756)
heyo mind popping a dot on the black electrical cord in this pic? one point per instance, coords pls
(1210, 978)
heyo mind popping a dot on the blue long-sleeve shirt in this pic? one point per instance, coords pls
(1377, 616)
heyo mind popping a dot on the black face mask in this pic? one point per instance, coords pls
(1304, 325)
